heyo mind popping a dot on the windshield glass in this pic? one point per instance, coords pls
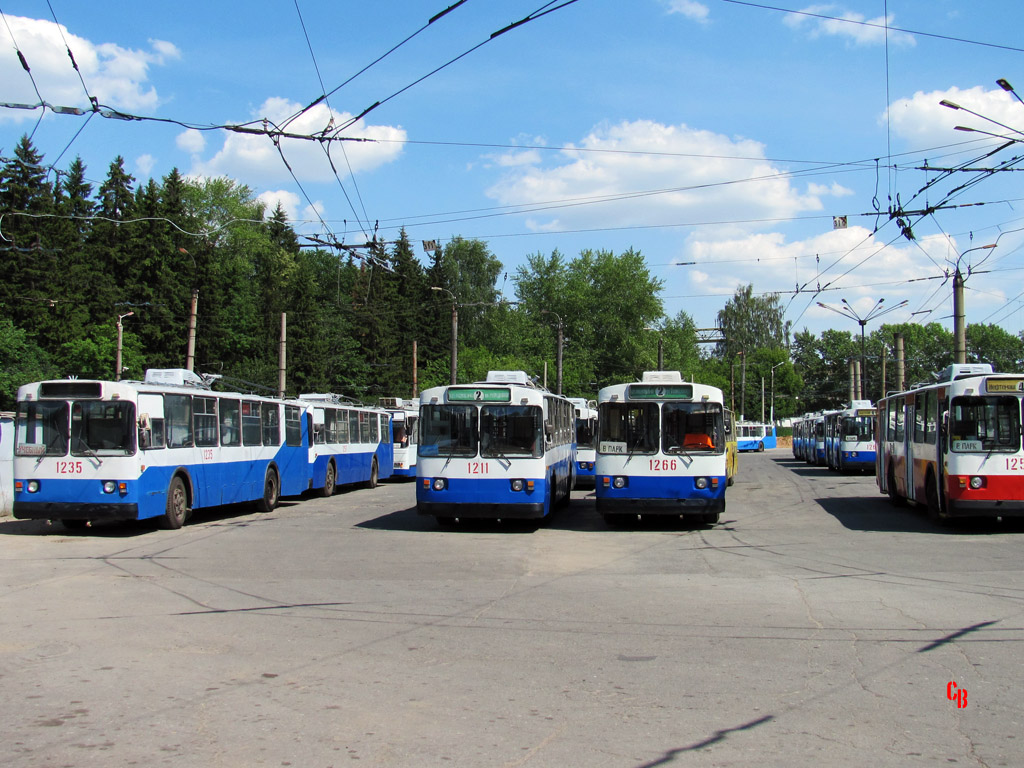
(102, 427)
(689, 427)
(585, 433)
(857, 428)
(42, 429)
(507, 430)
(448, 430)
(628, 428)
(984, 424)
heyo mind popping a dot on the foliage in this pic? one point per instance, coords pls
(78, 256)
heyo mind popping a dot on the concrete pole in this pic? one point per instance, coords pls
(851, 390)
(190, 355)
(455, 342)
(900, 372)
(414, 366)
(858, 382)
(959, 320)
(282, 356)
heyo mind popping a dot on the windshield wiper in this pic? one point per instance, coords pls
(77, 440)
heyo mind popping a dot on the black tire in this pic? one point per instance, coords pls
(890, 486)
(374, 474)
(760, 447)
(330, 481)
(271, 492)
(934, 501)
(75, 525)
(177, 505)
(710, 518)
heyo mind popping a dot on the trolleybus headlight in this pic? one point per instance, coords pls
(619, 482)
(440, 483)
(977, 482)
(517, 485)
(109, 486)
(33, 486)
(701, 483)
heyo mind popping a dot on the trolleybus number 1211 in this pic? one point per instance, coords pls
(479, 468)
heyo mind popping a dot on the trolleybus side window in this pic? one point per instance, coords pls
(292, 425)
(230, 423)
(271, 424)
(251, 423)
(328, 431)
(178, 415)
(353, 427)
(204, 416)
(931, 416)
(151, 420)
(374, 428)
(342, 427)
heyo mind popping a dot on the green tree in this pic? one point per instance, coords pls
(750, 322)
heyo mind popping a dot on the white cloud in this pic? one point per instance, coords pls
(288, 200)
(144, 165)
(835, 189)
(118, 77)
(924, 122)
(847, 24)
(191, 141)
(254, 159)
(645, 173)
(689, 8)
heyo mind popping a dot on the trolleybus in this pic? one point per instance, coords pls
(502, 448)
(351, 443)
(754, 436)
(665, 447)
(954, 446)
(405, 415)
(586, 436)
(850, 438)
(91, 450)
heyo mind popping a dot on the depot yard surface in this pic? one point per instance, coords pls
(816, 625)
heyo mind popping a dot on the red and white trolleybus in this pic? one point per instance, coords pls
(955, 445)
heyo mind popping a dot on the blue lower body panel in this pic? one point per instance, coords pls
(660, 496)
(483, 499)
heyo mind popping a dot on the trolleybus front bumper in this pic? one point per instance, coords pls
(674, 507)
(531, 511)
(57, 510)
(984, 508)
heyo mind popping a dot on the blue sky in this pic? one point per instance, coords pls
(719, 138)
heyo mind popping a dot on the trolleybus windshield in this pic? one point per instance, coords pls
(42, 429)
(857, 428)
(103, 428)
(692, 427)
(511, 430)
(448, 430)
(981, 423)
(628, 428)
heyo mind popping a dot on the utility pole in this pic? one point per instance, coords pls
(415, 394)
(900, 372)
(190, 356)
(959, 329)
(282, 356)
(120, 337)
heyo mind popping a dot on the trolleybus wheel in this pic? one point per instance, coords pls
(271, 491)
(710, 518)
(372, 482)
(177, 505)
(760, 447)
(890, 487)
(933, 500)
(330, 481)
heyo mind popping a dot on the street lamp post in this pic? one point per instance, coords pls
(455, 332)
(120, 337)
(558, 353)
(847, 310)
